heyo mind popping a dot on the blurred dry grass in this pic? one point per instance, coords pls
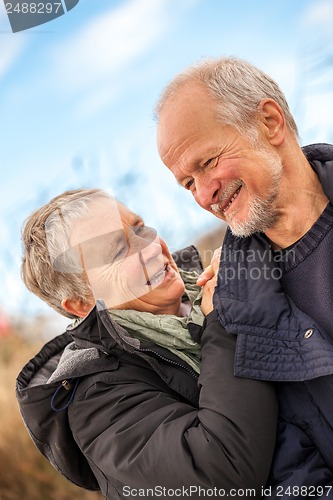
(207, 243)
(24, 473)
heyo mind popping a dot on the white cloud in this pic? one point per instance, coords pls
(110, 42)
(9, 52)
(320, 15)
(95, 101)
(284, 73)
(2, 11)
(96, 64)
(11, 45)
(317, 124)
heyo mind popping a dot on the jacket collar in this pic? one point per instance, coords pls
(320, 157)
(99, 330)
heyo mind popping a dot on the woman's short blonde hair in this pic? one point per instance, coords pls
(45, 233)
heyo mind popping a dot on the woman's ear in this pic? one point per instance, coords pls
(77, 307)
(271, 116)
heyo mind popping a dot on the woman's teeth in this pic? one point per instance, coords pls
(158, 277)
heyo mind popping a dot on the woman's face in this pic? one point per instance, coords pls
(128, 266)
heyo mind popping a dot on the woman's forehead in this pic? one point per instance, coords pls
(105, 215)
(128, 217)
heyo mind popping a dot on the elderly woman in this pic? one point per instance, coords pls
(138, 397)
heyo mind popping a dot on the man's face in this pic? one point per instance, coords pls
(226, 174)
(128, 266)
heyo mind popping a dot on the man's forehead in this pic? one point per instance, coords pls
(185, 103)
(190, 110)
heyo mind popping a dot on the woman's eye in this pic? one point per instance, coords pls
(119, 252)
(138, 229)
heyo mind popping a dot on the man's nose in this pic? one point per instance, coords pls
(207, 191)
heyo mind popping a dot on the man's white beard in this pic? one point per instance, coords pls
(262, 212)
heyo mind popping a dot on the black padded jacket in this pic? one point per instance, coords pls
(131, 419)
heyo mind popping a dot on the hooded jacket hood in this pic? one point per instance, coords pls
(45, 388)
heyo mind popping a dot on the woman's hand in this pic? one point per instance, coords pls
(207, 295)
(208, 281)
(210, 270)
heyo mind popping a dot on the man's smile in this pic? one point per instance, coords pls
(224, 205)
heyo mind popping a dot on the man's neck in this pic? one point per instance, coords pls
(300, 204)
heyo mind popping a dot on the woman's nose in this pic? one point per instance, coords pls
(152, 249)
(145, 241)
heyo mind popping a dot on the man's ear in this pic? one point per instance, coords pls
(77, 307)
(273, 120)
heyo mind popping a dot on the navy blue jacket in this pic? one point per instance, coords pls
(279, 342)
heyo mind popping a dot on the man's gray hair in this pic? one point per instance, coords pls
(237, 86)
(46, 235)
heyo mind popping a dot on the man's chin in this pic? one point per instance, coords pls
(249, 228)
(242, 229)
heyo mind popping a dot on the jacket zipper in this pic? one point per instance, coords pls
(188, 369)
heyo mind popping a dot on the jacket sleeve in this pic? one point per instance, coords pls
(141, 436)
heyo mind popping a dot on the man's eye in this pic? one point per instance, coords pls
(189, 184)
(210, 163)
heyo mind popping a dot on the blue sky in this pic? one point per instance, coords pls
(77, 96)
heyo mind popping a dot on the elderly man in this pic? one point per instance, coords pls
(226, 132)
